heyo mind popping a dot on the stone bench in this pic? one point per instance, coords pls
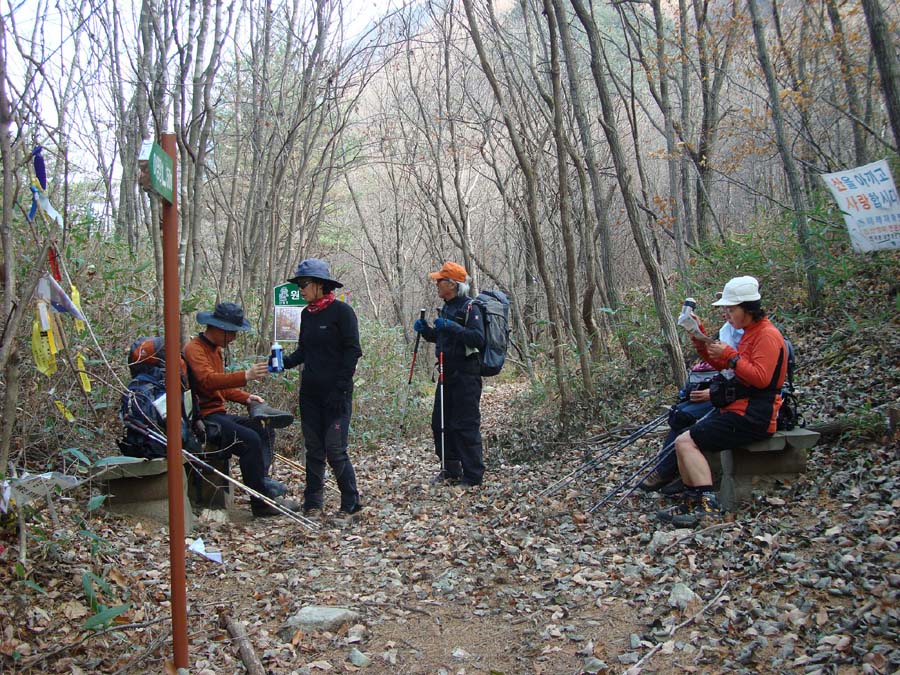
(740, 470)
(140, 488)
(206, 489)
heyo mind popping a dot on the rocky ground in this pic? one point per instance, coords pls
(499, 580)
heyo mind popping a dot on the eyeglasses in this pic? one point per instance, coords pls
(441, 281)
(303, 284)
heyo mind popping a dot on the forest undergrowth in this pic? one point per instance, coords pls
(499, 579)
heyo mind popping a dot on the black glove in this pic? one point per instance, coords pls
(334, 404)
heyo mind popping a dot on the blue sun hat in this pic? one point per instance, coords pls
(314, 269)
(227, 316)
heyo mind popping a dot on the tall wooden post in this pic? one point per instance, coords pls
(171, 318)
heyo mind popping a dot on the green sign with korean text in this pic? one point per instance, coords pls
(289, 306)
(162, 174)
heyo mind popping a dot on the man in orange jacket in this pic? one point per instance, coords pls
(239, 436)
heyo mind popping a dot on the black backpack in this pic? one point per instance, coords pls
(789, 416)
(494, 306)
(142, 403)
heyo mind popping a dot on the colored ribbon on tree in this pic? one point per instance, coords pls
(42, 347)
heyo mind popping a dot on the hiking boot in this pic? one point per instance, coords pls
(673, 489)
(706, 506)
(668, 514)
(656, 479)
(263, 510)
(277, 419)
(443, 476)
(356, 508)
(312, 509)
(274, 488)
(288, 504)
(466, 483)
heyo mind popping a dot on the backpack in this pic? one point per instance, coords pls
(142, 407)
(494, 306)
(789, 416)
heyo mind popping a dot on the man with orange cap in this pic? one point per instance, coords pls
(458, 335)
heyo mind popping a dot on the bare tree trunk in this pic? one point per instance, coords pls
(886, 57)
(853, 102)
(565, 205)
(664, 99)
(527, 168)
(713, 68)
(623, 174)
(685, 183)
(813, 284)
(609, 290)
(8, 334)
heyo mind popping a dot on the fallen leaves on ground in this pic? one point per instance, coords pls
(499, 579)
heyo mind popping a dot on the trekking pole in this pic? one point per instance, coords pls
(297, 466)
(297, 518)
(441, 393)
(412, 368)
(643, 467)
(160, 438)
(643, 471)
(619, 445)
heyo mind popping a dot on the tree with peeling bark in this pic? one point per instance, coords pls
(795, 188)
(626, 189)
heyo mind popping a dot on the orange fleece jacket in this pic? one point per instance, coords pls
(214, 386)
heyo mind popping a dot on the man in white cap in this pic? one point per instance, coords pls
(748, 406)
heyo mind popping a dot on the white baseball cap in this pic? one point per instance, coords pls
(738, 290)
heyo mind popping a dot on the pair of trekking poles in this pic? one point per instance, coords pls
(645, 469)
(409, 380)
(154, 435)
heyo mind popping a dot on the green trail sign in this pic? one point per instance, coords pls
(289, 305)
(161, 170)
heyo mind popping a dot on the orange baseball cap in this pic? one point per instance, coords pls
(452, 271)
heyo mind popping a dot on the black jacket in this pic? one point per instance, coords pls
(453, 344)
(328, 346)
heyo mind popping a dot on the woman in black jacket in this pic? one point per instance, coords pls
(328, 347)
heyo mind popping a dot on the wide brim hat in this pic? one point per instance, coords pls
(314, 268)
(738, 290)
(451, 270)
(227, 316)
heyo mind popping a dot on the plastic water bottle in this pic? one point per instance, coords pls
(276, 359)
(687, 321)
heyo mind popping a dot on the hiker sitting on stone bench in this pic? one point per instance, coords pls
(693, 404)
(747, 404)
(241, 436)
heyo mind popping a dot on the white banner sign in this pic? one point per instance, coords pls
(867, 196)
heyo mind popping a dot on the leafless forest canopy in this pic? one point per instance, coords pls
(566, 152)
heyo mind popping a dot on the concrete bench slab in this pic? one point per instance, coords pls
(782, 457)
(141, 489)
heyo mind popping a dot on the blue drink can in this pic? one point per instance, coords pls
(276, 359)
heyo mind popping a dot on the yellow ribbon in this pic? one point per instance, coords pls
(65, 411)
(76, 300)
(82, 372)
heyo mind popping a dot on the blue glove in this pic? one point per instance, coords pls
(448, 325)
(420, 326)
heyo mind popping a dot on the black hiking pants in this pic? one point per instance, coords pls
(462, 426)
(325, 433)
(245, 439)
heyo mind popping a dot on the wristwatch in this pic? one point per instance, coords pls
(732, 362)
